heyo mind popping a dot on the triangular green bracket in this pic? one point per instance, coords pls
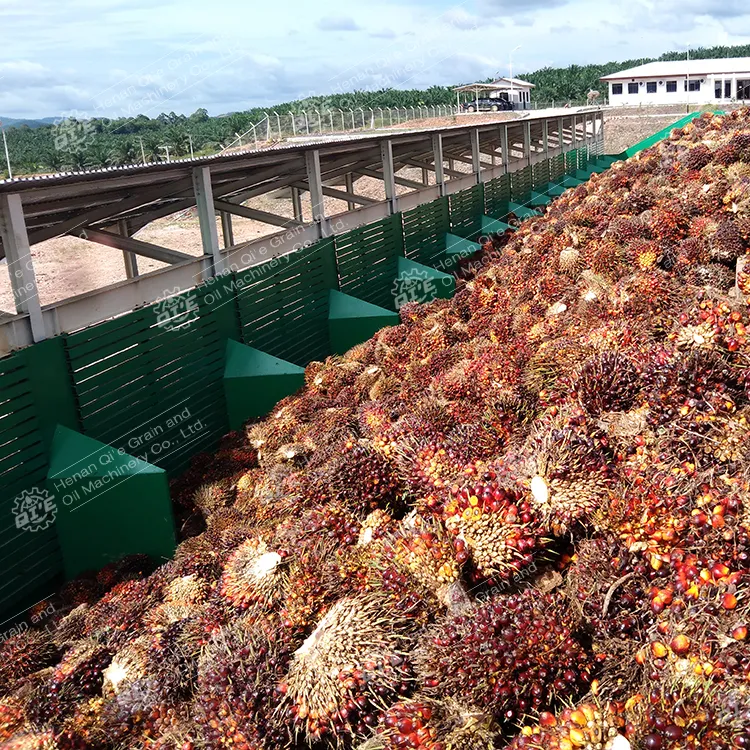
(352, 321)
(570, 181)
(433, 284)
(457, 249)
(584, 174)
(539, 199)
(555, 189)
(494, 226)
(109, 503)
(254, 382)
(522, 212)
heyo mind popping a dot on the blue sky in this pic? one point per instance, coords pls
(119, 58)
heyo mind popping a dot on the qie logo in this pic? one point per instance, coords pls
(413, 286)
(175, 310)
(35, 510)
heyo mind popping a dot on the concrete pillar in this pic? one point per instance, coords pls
(389, 174)
(130, 259)
(315, 181)
(297, 204)
(20, 264)
(505, 148)
(204, 201)
(476, 156)
(349, 182)
(437, 150)
(226, 229)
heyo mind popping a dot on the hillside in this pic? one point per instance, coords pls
(47, 148)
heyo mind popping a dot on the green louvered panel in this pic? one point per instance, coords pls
(520, 185)
(557, 168)
(29, 559)
(150, 382)
(571, 161)
(367, 258)
(497, 195)
(541, 174)
(466, 207)
(283, 304)
(424, 230)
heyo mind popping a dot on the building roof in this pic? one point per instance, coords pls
(499, 84)
(664, 69)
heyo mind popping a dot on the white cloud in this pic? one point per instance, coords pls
(338, 23)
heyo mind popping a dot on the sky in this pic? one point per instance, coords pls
(120, 58)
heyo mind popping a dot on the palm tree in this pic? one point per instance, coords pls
(122, 152)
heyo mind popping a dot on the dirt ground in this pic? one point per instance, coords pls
(67, 266)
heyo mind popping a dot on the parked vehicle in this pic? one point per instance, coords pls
(487, 105)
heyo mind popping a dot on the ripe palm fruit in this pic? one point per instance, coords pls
(422, 548)
(585, 726)
(23, 654)
(494, 524)
(429, 724)
(568, 468)
(340, 676)
(607, 382)
(253, 574)
(236, 695)
(511, 655)
(727, 244)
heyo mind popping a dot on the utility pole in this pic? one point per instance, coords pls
(510, 66)
(7, 156)
(166, 148)
(143, 151)
(190, 138)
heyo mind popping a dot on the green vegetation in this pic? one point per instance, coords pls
(105, 142)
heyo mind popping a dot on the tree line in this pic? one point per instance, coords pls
(113, 142)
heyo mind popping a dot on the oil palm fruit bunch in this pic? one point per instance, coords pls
(354, 660)
(529, 658)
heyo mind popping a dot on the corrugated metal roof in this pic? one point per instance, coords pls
(664, 69)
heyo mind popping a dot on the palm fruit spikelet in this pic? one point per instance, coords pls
(607, 382)
(355, 658)
(529, 658)
(22, 654)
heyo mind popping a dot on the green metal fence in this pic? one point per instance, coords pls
(113, 380)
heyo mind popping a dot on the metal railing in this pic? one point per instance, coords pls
(276, 126)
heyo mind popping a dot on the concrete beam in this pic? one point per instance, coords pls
(255, 214)
(131, 245)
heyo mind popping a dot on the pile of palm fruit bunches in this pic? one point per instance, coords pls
(518, 519)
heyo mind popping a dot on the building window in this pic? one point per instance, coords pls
(671, 87)
(632, 88)
(717, 89)
(651, 87)
(694, 86)
(727, 89)
(616, 89)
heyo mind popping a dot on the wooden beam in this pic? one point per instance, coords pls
(255, 214)
(146, 249)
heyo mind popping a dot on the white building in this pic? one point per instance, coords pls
(716, 81)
